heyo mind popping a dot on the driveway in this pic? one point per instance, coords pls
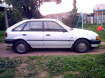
(6, 51)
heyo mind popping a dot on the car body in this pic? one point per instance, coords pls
(49, 33)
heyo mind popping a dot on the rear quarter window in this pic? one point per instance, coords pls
(20, 27)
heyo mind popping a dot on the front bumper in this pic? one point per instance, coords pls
(95, 43)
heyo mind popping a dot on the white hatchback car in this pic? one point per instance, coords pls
(49, 33)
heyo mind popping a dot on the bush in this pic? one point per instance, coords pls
(7, 67)
(1, 36)
(2, 21)
(9, 63)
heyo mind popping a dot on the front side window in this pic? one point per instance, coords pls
(33, 26)
(53, 26)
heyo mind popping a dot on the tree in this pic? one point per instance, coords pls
(71, 19)
(2, 22)
(74, 13)
(0, 1)
(29, 8)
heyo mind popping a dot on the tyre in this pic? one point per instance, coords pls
(21, 47)
(81, 46)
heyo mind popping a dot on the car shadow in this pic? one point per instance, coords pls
(54, 50)
(50, 50)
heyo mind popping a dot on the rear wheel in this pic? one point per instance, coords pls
(81, 46)
(21, 47)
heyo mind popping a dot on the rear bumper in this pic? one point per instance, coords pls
(9, 41)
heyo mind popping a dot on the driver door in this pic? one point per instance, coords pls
(55, 36)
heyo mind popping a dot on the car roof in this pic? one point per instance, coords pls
(42, 19)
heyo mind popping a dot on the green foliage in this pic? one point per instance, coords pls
(2, 22)
(55, 66)
(1, 36)
(85, 66)
(7, 67)
(14, 16)
(102, 46)
(70, 75)
(7, 73)
(9, 63)
(34, 57)
(26, 8)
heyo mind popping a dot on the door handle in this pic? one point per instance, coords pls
(47, 34)
(24, 34)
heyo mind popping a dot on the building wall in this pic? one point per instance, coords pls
(90, 20)
(99, 16)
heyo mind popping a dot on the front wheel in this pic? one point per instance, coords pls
(20, 47)
(81, 46)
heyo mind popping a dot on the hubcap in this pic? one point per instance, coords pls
(20, 48)
(82, 47)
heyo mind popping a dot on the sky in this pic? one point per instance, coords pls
(84, 6)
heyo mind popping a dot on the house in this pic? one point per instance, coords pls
(90, 18)
(99, 14)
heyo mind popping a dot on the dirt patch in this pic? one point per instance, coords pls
(43, 74)
(21, 71)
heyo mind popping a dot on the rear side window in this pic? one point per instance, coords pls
(20, 27)
(34, 26)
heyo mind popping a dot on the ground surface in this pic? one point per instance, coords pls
(7, 52)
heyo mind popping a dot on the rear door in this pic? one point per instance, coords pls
(34, 33)
(55, 36)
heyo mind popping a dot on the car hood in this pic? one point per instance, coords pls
(80, 32)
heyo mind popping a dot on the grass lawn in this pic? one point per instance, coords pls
(93, 28)
(77, 66)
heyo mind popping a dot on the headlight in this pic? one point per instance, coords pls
(98, 38)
